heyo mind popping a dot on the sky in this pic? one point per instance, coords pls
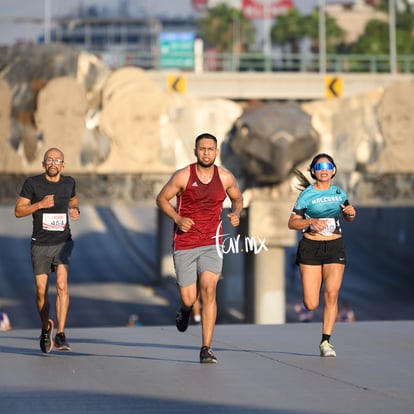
(11, 33)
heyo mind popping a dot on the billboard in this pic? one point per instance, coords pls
(255, 9)
(252, 9)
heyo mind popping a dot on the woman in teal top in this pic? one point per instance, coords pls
(321, 251)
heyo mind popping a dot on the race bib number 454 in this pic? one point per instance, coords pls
(54, 222)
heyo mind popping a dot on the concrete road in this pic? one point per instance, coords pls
(261, 369)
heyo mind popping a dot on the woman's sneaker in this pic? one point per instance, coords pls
(60, 342)
(46, 338)
(326, 349)
(207, 356)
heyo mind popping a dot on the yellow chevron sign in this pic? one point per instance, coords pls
(177, 83)
(333, 86)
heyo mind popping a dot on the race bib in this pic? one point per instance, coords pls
(54, 222)
(329, 227)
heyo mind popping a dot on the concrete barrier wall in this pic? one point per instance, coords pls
(276, 85)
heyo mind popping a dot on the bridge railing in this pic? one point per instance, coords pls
(255, 62)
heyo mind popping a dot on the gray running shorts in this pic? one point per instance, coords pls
(190, 263)
(46, 258)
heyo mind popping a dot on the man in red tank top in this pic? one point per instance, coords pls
(200, 189)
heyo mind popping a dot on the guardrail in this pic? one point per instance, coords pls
(255, 62)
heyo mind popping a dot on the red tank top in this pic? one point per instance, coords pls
(204, 204)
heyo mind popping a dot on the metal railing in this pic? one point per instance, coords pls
(256, 62)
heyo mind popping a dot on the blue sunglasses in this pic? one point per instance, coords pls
(323, 166)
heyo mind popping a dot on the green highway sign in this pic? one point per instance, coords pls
(177, 50)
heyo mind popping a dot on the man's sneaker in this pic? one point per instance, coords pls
(60, 342)
(326, 349)
(182, 318)
(46, 338)
(207, 356)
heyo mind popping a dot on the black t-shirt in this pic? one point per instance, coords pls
(50, 225)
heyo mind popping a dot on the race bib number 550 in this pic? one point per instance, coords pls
(54, 222)
(329, 229)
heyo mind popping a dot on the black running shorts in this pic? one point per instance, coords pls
(316, 252)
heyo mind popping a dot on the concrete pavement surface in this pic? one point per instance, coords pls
(260, 369)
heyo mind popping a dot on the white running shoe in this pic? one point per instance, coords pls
(326, 349)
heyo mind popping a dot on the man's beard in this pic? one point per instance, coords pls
(51, 174)
(205, 165)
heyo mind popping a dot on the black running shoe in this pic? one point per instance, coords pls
(60, 342)
(207, 356)
(46, 338)
(182, 318)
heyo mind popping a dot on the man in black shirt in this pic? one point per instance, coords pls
(51, 200)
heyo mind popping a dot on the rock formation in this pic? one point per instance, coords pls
(107, 122)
